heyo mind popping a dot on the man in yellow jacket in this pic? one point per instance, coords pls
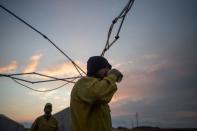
(90, 96)
(45, 122)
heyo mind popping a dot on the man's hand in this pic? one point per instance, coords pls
(116, 72)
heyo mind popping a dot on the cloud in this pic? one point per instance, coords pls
(66, 68)
(161, 90)
(186, 114)
(136, 82)
(139, 84)
(59, 99)
(59, 70)
(44, 96)
(151, 56)
(32, 64)
(10, 67)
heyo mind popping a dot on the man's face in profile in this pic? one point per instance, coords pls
(103, 72)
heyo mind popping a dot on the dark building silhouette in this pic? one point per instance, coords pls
(7, 124)
(63, 120)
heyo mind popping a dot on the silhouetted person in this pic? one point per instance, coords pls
(91, 94)
(45, 122)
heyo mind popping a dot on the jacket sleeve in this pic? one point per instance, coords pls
(34, 126)
(98, 90)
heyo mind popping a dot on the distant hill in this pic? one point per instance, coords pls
(7, 124)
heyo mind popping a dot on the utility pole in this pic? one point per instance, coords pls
(131, 124)
(136, 118)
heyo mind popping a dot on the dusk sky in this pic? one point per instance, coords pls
(157, 53)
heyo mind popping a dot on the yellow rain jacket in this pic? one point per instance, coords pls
(89, 107)
(42, 124)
